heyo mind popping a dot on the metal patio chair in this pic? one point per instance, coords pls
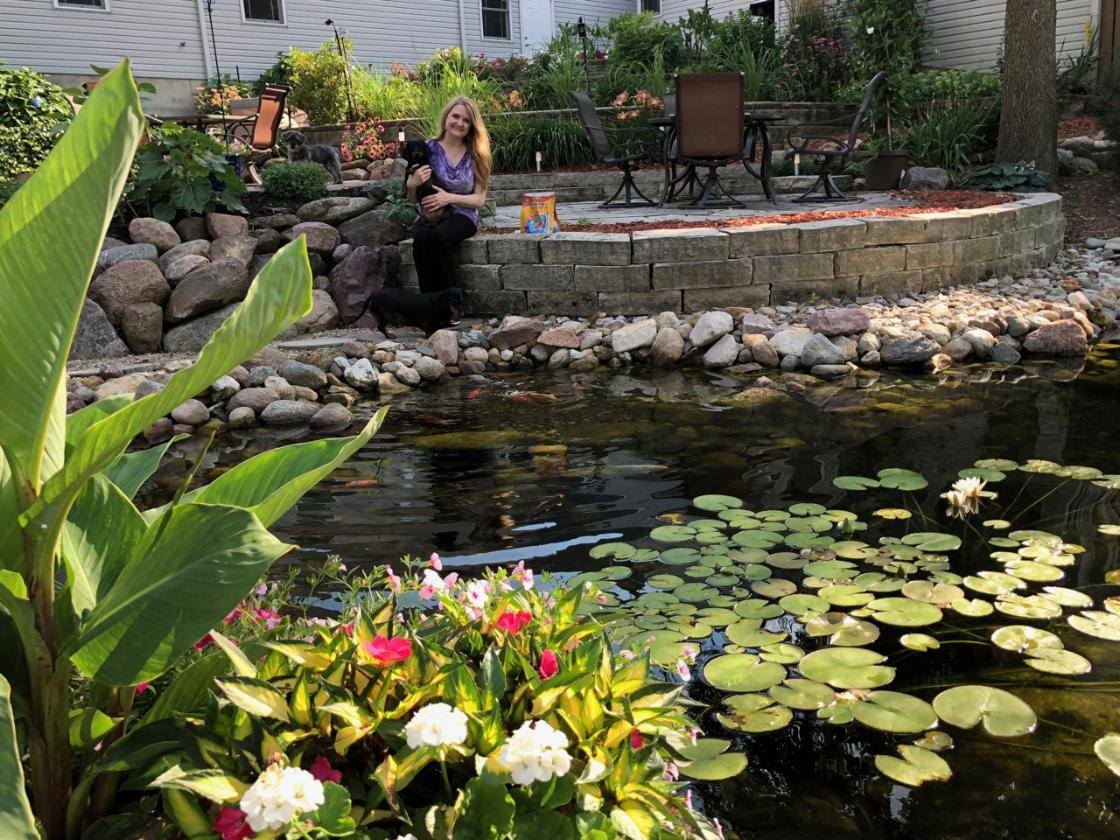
(601, 148)
(260, 132)
(708, 131)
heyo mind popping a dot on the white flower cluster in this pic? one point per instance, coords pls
(535, 753)
(436, 725)
(964, 497)
(278, 795)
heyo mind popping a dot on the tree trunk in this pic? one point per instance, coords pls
(1028, 128)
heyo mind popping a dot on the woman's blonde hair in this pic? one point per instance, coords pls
(478, 138)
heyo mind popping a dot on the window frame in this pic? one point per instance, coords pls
(251, 20)
(81, 7)
(482, 20)
(640, 4)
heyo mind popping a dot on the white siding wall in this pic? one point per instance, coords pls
(593, 12)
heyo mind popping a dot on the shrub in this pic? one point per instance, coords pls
(815, 55)
(214, 96)
(318, 82)
(1007, 177)
(31, 112)
(1106, 102)
(279, 73)
(515, 140)
(635, 37)
(555, 71)
(183, 172)
(393, 96)
(295, 181)
(99, 597)
(949, 133)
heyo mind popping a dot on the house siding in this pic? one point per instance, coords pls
(593, 12)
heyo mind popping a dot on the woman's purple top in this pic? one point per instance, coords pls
(456, 179)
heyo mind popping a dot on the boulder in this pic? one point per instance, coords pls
(632, 336)
(225, 224)
(323, 314)
(667, 348)
(269, 241)
(334, 210)
(242, 418)
(517, 333)
(723, 353)
(257, 399)
(560, 337)
(154, 232)
(321, 237)
(755, 324)
(184, 266)
(790, 342)
(142, 325)
(306, 375)
(192, 412)
(131, 281)
(1004, 354)
(191, 336)
(373, 229)
(362, 375)
(980, 340)
(289, 413)
(958, 349)
(926, 178)
(191, 228)
(908, 352)
(96, 338)
(354, 280)
(1060, 338)
(841, 321)
(761, 350)
(331, 417)
(445, 345)
(195, 247)
(240, 248)
(868, 342)
(208, 288)
(111, 256)
(430, 370)
(710, 327)
(818, 350)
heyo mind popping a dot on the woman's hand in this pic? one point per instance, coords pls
(437, 201)
(421, 176)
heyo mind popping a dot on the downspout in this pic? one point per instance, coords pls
(207, 58)
(462, 27)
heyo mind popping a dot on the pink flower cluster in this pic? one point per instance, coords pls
(643, 100)
(367, 141)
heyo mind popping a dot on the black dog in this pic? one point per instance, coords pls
(300, 151)
(415, 154)
(429, 312)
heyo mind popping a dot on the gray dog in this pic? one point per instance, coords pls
(326, 156)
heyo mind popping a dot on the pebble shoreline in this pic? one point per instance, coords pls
(1054, 311)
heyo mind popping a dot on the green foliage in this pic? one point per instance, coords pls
(815, 54)
(183, 172)
(95, 593)
(554, 72)
(1007, 177)
(401, 210)
(1077, 74)
(1107, 103)
(215, 96)
(318, 85)
(886, 35)
(301, 182)
(279, 73)
(516, 140)
(7, 190)
(949, 134)
(437, 89)
(635, 37)
(31, 113)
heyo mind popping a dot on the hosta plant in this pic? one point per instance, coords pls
(97, 596)
(442, 708)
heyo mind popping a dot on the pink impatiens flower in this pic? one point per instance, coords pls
(636, 740)
(433, 584)
(230, 825)
(270, 618)
(475, 598)
(205, 641)
(321, 769)
(393, 580)
(550, 665)
(388, 651)
(682, 670)
(525, 576)
(435, 562)
(512, 622)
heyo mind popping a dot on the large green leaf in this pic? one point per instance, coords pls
(11, 541)
(50, 234)
(280, 295)
(131, 470)
(190, 569)
(271, 482)
(100, 534)
(83, 418)
(16, 820)
(189, 689)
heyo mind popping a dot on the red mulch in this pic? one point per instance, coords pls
(924, 201)
(1091, 206)
(1082, 126)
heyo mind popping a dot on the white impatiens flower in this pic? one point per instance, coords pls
(278, 795)
(535, 753)
(436, 725)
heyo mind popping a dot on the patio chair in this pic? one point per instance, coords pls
(820, 140)
(601, 148)
(709, 130)
(260, 132)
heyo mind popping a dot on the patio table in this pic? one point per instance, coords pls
(755, 131)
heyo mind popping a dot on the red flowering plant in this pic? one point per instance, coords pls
(367, 140)
(431, 699)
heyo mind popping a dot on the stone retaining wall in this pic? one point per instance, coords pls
(688, 270)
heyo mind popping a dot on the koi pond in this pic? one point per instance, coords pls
(896, 657)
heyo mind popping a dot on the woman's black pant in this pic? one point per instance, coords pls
(433, 250)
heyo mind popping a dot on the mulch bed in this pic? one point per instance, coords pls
(1092, 207)
(1082, 126)
(922, 201)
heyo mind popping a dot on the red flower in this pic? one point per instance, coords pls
(142, 687)
(231, 825)
(204, 642)
(636, 741)
(321, 769)
(386, 651)
(512, 622)
(549, 666)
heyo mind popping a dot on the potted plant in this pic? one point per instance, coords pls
(884, 168)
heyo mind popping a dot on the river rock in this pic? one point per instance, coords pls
(667, 348)
(513, 333)
(142, 325)
(191, 412)
(790, 342)
(430, 370)
(372, 229)
(818, 350)
(334, 210)
(321, 238)
(131, 281)
(242, 417)
(710, 327)
(281, 387)
(308, 376)
(277, 221)
(323, 314)
(240, 248)
(95, 337)
(753, 323)
(868, 342)
(225, 224)
(128, 384)
(830, 371)
(141, 251)
(958, 349)
(980, 340)
(254, 398)
(1004, 354)
(195, 247)
(183, 266)
(908, 352)
(560, 337)
(841, 321)
(634, 336)
(1060, 338)
(761, 351)
(289, 413)
(207, 288)
(361, 375)
(331, 417)
(192, 335)
(153, 232)
(409, 376)
(223, 388)
(723, 353)
(159, 431)
(926, 178)
(445, 345)
(191, 228)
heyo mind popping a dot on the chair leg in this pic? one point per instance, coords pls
(629, 185)
(713, 184)
(832, 192)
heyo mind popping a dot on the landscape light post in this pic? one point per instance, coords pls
(345, 68)
(581, 30)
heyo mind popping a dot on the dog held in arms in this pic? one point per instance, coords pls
(429, 311)
(415, 154)
(300, 151)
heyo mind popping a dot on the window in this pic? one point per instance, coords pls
(82, 4)
(765, 10)
(269, 11)
(495, 19)
(650, 6)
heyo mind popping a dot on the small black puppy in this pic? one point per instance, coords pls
(429, 311)
(300, 151)
(415, 154)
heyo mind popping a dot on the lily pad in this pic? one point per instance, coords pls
(892, 513)
(664, 581)
(803, 604)
(784, 654)
(919, 642)
(786, 560)
(672, 533)
(1027, 606)
(1064, 662)
(715, 503)
(996, 464)
(1101, 625)
(846, 667)
(941, 594)
(895, 478)
(936, 741)
(844, 595)
(1067, 597)
(1020, 638)
(916, 767)
(757, 539)
(774, 588)
(904, 612)
(932, 542)
(987, 473)
(1108, 751)
(755, 713)
(1032, 571)
(703, 748)
(893, 711)
(1039, 466)
(804, 695)
(1004, 715)
(748, 634)
(1109, 530)
(854, 482)
(617, 550)
(742, 672)
(757, 608)
(715, 768)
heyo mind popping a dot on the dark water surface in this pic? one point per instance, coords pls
(485, 477)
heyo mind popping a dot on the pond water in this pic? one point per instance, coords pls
(498, 469)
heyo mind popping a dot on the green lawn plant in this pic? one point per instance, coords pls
(97, 596)
(300, 182)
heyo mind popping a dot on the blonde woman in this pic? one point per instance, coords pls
(460, 160)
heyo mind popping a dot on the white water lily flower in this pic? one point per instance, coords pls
(436, 725)
(278, 795)
(970, 488)
(535, 753)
